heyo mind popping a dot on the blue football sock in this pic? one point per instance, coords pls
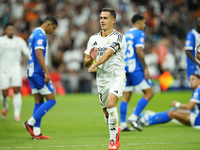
(38, 122)
(140, 106)
(159, 118)
(43, 109)
(123, 111)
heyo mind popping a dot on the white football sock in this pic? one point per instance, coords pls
(123, 125)
(113, 122)
(133, 117)
(31, 121)
(37, 131)
(17, 104)
(5, 102)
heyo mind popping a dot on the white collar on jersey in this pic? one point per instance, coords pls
(41, 30)
(109, 34)
(134, 28)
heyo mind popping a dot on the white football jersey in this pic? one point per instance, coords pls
(10, 53)
(114, 66)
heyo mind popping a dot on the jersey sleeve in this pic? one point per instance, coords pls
(189, 41)
(118, 43)
(39, 41)
(24, 47)
(196, 96)
(140, 39)
(89, 46)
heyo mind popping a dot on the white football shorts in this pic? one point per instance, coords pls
(7, 80)
(142, 86)
(115, 86)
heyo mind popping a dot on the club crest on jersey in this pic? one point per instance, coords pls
(108, 42)
(40, 41)
(142, 40)
(187, 42)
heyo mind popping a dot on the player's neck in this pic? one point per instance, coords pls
(105, 33)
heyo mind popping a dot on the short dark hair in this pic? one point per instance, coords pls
(112, 12)
(137, 17)
(9, 24)
(197, 75)
(52, 19)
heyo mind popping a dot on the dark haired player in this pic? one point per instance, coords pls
(38, 76)
(188, 114)
(108, 47)
(11, 48)
(137, 73)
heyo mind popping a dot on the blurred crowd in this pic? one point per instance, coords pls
(168, 22)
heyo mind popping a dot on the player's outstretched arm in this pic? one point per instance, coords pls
(103, 59)
(189, 106)
(40, 58)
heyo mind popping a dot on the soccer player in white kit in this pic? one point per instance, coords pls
(108, 47)
(11, 48)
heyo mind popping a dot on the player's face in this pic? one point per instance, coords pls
(51, 28)
(194, 81)
(198, 24)
(10, 31)
(142, 24)
(106, 20)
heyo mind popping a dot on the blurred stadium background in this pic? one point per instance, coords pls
(168, 22)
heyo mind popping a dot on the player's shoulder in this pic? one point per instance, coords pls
(135, 32)
(38, 33)
(191, 32)
(116, 35)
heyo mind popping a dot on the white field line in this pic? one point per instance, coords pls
(94, 145)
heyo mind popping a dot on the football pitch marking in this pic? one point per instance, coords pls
(94, 145)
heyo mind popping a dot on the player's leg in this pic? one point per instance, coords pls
(123, 111)
(145, 86)
(124, 103)
(180, 115)
(158, 118)
(4, 101)
(17, 103)
(115, 92)
(112, 119)
(5, 84)
(16, 83)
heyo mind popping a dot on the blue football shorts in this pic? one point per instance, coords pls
(136, 81)
(39, 86)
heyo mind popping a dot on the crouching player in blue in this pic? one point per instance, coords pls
(136, 73)
(38, 76)
(188, 114)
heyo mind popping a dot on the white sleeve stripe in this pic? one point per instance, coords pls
(188, 48)
(112, 49)
(39, 47)
(194, 100)
(139, 45)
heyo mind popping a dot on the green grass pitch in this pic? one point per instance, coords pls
(76, 122)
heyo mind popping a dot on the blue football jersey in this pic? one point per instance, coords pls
(37, 40)
(192, 40)
(134, 38)
(196, 98)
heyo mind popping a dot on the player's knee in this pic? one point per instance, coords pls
(172, 113)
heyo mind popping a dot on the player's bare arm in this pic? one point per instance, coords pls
(140, 54)
(40, 58)
(103, 59)
(198, 51)
(189, 54)
(189, 106)
(89, 58)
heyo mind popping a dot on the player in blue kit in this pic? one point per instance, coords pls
(188, 114)
(38, 76)
(136, 72)
(192, 40)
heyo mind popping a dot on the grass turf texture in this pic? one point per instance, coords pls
(76, 122)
